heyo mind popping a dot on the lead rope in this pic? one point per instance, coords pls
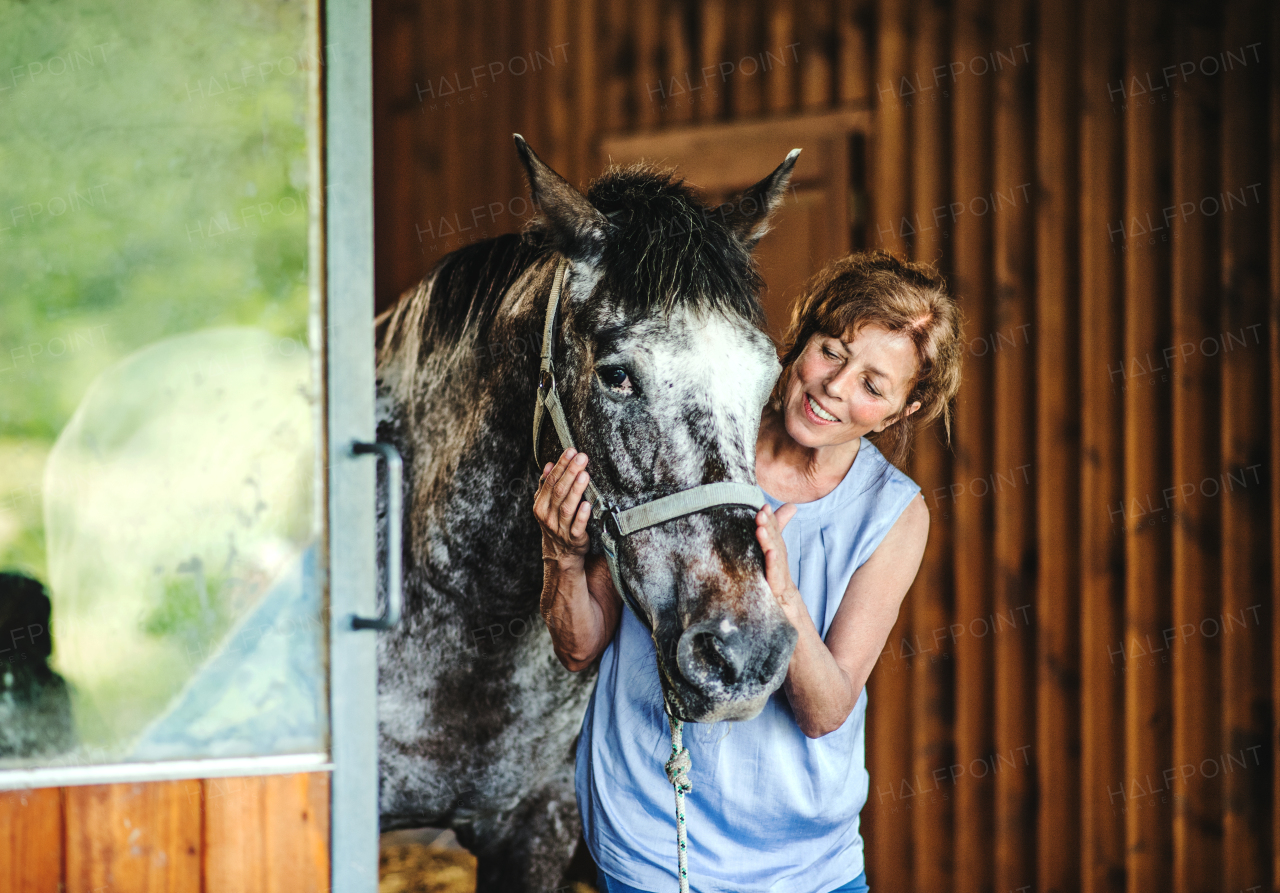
(678, 768)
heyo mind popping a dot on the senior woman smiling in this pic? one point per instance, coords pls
(873, 348)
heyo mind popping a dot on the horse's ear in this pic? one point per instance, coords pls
(748, 214)
(577, 228)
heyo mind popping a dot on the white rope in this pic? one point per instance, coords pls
(678, 768)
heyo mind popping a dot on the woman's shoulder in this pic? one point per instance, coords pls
(879, 479)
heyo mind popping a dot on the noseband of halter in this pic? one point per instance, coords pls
(615, 524)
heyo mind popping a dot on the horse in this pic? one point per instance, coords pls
(663, 368)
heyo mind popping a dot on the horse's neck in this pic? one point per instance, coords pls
(468, 428)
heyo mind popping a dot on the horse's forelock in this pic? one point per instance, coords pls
(668, 247)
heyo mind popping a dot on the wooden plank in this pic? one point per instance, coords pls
(558, 86)
(267, 834)
(585, 64)
(1245, 445)
(397, 113)
(678, 44)
(782, 80)
(506, 175)
(1057, 438)
(132, 837)
(1274, 353)
(646, 18)
(1014, 640)
(854, 39)
(886, 822)
(817, 65)
(746, 35)
(1197, 819)
(1148, 698)
(713, 47)
(972, 509)
(617, 56)
(1101, 545)
(31, 841)
(932, 596)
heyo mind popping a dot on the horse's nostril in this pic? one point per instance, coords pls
(710, 653)
(708, 650)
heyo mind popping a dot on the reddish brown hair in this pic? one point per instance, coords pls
(875, 288)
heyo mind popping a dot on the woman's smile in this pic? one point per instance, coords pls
(815, 413)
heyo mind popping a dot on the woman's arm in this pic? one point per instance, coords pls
(580, 609)
(825, 679)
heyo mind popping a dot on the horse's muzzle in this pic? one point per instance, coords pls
(729, 671)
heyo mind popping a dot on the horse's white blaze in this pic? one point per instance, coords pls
(725, 369)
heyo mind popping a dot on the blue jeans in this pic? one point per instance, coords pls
(612, 885)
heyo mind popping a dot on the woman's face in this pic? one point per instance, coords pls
(840, 390)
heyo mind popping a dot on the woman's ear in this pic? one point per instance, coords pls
(897, 417)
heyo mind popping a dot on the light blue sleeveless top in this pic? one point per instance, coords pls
(771, 809)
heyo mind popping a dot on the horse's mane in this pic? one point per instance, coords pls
(666, 248)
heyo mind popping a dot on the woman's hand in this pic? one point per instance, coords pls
(578, 603)
(769, 527)
(561, 511)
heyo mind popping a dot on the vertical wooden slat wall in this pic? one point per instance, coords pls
(1081, 691)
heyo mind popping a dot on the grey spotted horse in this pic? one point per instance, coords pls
(662, 369)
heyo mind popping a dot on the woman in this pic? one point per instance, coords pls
(874, 347)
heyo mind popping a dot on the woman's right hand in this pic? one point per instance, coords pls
(561, 511)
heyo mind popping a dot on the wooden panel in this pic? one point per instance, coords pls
(617, 54)
(854, 37)
(132, 837)
(886, 820)
(781, 81)
(398, 247)
(1014, 417)
(1274, 353)
(678, 46)
(1146, 470)
(816, 66)
(584, 123)
(713, 48)
(1101, 552)
(972, 507)
(931, 598)
(1057, 433)
(1197, 822)
(31, 858)
(1245, 445)
(648, 72)
(267, 834)
(746, 36)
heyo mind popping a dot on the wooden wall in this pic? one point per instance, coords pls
(267, 834)
(1082, 690)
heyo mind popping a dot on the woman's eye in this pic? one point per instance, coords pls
(828, 353)
(615, 377)
(871, 388)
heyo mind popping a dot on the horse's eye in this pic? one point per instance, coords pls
(614, 377)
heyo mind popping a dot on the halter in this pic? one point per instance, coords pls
(615, 524)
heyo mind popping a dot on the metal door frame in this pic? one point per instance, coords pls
(347, 102)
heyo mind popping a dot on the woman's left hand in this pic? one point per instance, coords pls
(769, 527)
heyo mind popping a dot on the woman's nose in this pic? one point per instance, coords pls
(837, 386)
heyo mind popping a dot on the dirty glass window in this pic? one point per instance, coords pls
(159, 593)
